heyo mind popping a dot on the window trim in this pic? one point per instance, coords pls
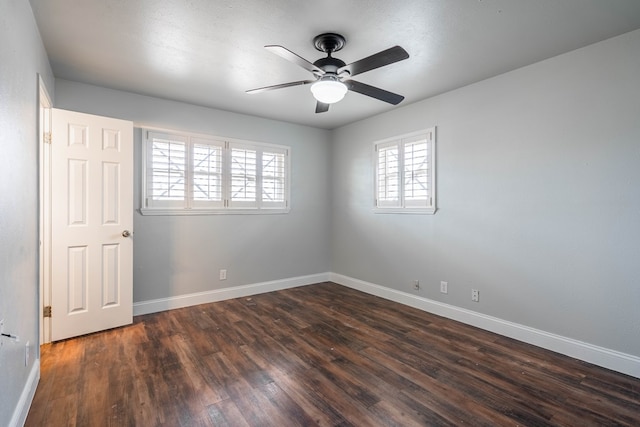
(189, 206)
(401, 206)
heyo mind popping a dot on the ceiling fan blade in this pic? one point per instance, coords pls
(280, 86)
(285, 53)
(377, 60)
(321, 107)
(374, 92)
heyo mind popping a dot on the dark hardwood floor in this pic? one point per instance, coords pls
(319, 355)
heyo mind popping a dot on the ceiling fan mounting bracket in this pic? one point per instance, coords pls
(329, 42)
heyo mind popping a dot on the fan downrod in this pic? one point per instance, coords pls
(329, 42)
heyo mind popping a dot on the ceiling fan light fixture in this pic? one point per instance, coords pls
(328, 90)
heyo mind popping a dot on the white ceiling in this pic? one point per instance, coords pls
(209, 52)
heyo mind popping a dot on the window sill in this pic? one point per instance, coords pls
(171, 212)
(412, 211)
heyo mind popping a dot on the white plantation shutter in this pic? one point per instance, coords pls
(388, 175)
(416, 171)
(244, 176)
(207, 173)
(274, 184)
(405, 173)
(189, 174)
(166, 181)
(258, 176)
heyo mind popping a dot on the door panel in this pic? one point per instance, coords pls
(92, 205)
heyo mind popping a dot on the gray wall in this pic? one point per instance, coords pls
(22, 57)
(175, 255)
(538, 180)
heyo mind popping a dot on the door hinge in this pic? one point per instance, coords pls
(47, 137)
(46, 311)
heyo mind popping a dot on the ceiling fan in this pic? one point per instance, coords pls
(333, 76)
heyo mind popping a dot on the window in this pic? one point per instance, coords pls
(188, 174)
(405, 173)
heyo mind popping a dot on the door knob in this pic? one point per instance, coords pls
(126, 233)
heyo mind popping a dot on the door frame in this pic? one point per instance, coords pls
(44, 193)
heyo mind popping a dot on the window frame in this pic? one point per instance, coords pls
(189, 205)
(402, 204)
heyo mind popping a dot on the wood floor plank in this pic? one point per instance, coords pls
(332, 395)
(288, 411)
(60, 412)
(391, 407)
(273, 358)
(143, 408)
(322, 413)
(322, 355)
(444, 399)
(226, 414)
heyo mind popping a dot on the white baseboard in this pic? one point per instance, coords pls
(611, 359)
(162, 304)
(26, 397)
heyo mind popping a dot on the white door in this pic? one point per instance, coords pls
(91, 223)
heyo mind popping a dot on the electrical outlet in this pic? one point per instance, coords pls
(223, 274)
(475, 295)
(416, 285)
(444, 287)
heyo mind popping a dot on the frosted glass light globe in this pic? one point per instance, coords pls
(328, 91)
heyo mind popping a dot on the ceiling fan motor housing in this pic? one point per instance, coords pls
(329, 65)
